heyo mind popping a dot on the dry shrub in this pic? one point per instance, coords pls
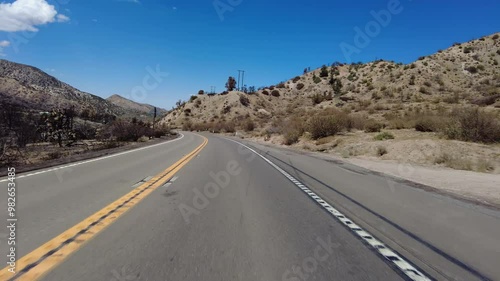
(248, 125)
(357, 122)
(400, 123)
(372, 126)
(124, 130)
(292, 130)
(328, 123)
(473, 124)
(228, 127)
(381, 151)
(187, 126)
(485, 101)
(453, 162)
(54, 155)
(430, 123)
(275, 93)
(485, 166)
(300, 86)
(244, 101)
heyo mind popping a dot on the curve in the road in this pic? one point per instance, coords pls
(37, 263)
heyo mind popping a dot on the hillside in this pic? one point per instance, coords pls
(32, 88)
(132, 106)
(464, 74)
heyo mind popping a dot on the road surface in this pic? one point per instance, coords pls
(206, 207)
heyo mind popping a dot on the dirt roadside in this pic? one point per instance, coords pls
(85, 156)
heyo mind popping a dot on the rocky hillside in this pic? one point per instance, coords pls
(34, 89)
(132, 106)
(464, 74)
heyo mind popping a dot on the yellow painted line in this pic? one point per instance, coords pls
(39, 262)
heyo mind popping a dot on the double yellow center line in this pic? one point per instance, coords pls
(39, 262)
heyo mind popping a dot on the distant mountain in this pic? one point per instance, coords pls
(132, 106)
(34, 89)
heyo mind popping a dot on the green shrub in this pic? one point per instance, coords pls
(324, 71)
(316, 79)
(384, 136)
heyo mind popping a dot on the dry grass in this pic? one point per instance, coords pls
(454, 162)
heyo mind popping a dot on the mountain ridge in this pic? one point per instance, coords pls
(34, 89)
(466, 74)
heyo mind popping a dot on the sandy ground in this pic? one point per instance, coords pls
(411, 157)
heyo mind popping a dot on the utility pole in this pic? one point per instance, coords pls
(239, 75)
(154, 119)
(243, 78)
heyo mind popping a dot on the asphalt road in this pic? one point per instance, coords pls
(227, 213)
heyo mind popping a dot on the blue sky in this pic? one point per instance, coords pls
(106, 47)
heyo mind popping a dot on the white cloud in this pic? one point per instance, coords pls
(25, 15)
(3, 44)
(62, 18)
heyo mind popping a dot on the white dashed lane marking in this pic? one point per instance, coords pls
(92, 160)
(390, 255)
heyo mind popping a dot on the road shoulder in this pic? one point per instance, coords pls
(472, 187)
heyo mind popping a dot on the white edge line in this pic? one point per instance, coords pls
(390, 255)
(20, 176)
